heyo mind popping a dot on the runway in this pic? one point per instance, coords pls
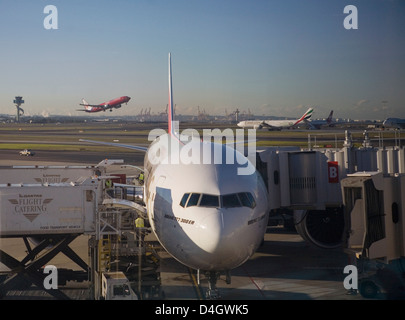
(285, 267)
(11, 158)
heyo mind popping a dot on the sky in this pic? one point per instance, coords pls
(274, 58)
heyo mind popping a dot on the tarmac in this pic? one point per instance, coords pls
(284, 268)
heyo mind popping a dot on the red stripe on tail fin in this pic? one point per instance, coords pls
(170, 112)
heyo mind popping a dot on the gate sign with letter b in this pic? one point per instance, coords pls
(333, 172)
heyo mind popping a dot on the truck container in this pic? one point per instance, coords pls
(48, 209)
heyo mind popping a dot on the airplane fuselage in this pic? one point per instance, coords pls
(112, 104)
(267, 124)
(205, 215)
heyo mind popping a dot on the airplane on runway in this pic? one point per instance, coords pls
(110, 105)
(205, 214)
(318, 124)
(395, 123)
(275, 124)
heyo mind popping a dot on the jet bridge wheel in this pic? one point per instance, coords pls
(324, 228)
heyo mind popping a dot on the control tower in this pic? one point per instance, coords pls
(18, 101)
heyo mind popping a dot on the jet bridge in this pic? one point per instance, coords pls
(374, 211)
(304, 184)
(374, 215)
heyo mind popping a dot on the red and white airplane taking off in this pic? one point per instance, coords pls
(112, 104)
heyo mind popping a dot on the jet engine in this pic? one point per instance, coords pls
(323, 228)
(258, 126)
(117, 106)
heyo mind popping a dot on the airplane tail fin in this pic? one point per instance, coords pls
(308, 114)
(329, 119)
(84, 102)
(305, 116)
(170, 109)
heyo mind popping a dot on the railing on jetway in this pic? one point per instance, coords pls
(365, 139)
(126, 192)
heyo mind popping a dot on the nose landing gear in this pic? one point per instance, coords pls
(212, 292)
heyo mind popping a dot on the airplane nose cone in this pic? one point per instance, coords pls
(212, 225)
(223, 244)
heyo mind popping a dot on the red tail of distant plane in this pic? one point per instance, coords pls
(170, 111)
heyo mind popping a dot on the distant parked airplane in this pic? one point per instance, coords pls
(275, 124)
(395, 123)
(112, 104)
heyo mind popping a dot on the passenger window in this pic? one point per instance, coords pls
(193, 199)
(230, 201)
(208, 200)
(184, 200)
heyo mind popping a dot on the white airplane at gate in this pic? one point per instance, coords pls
(205, 214)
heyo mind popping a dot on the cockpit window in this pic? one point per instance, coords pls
(193, 199)
(184, 200)
(208, 200)
(252, 200)
(247, 199)
(230, 201)
(233, 200)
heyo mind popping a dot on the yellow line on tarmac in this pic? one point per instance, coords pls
(195, 283)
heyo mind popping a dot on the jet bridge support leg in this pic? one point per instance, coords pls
(24, 273)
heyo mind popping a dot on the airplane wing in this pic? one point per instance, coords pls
(266, 124)
(119, 145)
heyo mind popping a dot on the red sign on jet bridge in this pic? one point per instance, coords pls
(333, 172)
